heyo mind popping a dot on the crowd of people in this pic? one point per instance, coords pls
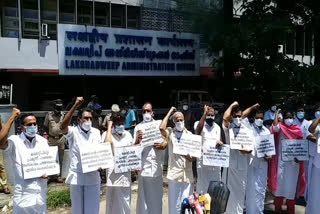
(247, 177)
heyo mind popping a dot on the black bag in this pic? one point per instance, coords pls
(219, 194)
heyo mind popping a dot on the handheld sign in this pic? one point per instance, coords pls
(318, 145)
(95, 157)
(39, 162)
(265, 145)
(215, 156)
(151, 133)
(295, 149)
(188, 144)
(241, 138)
(127, 158)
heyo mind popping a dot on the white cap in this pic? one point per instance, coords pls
(115, 108)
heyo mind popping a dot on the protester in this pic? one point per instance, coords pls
(236, 175)
(207, 128)
(118, 191)
(114, 109)
(52, 125)
(150, 183)
(188, 117)
(180, 178)
(29, 194)
(283, 175)
(257, 170)
(96, 116)
(93, 101)
(269, 115)
(130, 122)
(3, 178)
(84, 187)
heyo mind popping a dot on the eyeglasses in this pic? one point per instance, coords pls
(238, 116)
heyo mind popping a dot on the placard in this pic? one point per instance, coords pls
(318, 145)
(96, 156)
(295, 149)
(215, 156)
(127, 158)
(39, 162)
(151, 133)
(188, 144)
(265, 145)
(241, 138)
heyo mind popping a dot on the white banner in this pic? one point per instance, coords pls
(265, 145)
(151, 133)
(295, 149)
(127, 158)
(188, 144)
(215, 156)
(39, 162)
(241, 138)
(96, 156)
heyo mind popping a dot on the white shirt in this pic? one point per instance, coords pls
(316, 159)
(76, 138)
(254, 160)
(17, 146)
(269, 115)
(151, 158)
(304, 125)
(119, 179)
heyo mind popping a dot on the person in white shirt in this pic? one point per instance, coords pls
(150, 183)
(269, 115)
(236, 175)
(84, 187)
(179, 167)
(257, 171)
(207, 128)
(118, 190)
(29, 194)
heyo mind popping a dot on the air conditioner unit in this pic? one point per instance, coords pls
(44, 30)
(280, 48)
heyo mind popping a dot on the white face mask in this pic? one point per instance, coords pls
(147, 117)
(123, 112)
(288, 121)
(119, 129)
(258, 122)
(86, 125)
(237, 121)
(273, 108)
(185, 107)
(179, 125)
(30, 131)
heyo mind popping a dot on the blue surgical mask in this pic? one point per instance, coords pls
(317, 114)
(119, 129)
(30, 131)
(300, 115)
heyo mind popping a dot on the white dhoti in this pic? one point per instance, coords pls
(314, 191)
(177, 191)
(256, 188)
(118, 200)
(150, 192)
(237, 185)
(29, 202)
(85, 199)
(205, 175)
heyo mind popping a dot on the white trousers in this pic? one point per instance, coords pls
(150, 192)
(236, 183)
(205, 175)
(177, 191)
(85, 199)
(256, 188)
(118, 200)
(314, 191)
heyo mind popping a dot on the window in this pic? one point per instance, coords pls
(290, 45)
(118, 16)
(300, 40)
(30, 19)
(101, 14)
(49, 16)
(84, 12)
(308, 42)
(10, 19)
(133, 17)
(67, 11)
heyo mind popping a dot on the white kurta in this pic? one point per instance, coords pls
(84, 187)
(257, 178)
(150, 182)
(287, 174)
(118, 190)
(208, 173)
(236, 175)
(29, 195)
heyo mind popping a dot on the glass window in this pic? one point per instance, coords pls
(133, 17)
(308, 42)
(118, 15)
(84, 12)
(49, 16)
(101, 14)
(10, 19)
(30, 20)
(67, 11)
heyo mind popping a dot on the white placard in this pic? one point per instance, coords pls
(127, 158)
(265, 145)
(318, 145)
(241, 138)
(151, 133)
(295, 149)
(39, 162)
(96, 156)
(215, 156)
(188, 144)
